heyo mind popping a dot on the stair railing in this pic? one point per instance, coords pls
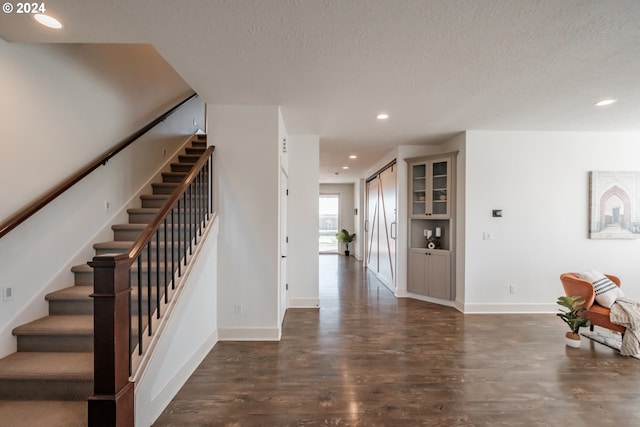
(130, 289)
(46, 198)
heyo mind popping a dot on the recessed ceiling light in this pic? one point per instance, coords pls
(353, 156)
(382, 116)
(47, 21)
(604, 102)
(345, 167)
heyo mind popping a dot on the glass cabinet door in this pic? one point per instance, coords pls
(439, 173)
(419, 186)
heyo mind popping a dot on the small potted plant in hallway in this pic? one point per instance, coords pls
(346, 238)
(570, 314)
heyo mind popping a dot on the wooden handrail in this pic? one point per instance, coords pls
(150, 230)
(52, 194)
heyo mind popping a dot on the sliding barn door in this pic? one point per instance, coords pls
(382, 226)
(387, 227)
(373, 190)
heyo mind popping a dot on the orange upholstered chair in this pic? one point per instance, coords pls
(597, 314)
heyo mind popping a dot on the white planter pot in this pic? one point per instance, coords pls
(570, 340)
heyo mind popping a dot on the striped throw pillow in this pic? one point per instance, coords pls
(606, 291)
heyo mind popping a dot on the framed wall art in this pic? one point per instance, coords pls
(614, 205)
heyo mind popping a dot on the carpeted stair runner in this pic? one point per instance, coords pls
(48, 380)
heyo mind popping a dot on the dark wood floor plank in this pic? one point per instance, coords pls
(366, 358)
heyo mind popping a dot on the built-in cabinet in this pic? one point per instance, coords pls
(431, 226)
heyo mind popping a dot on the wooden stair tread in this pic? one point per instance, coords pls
(47, 366)
(82, 268)
(143, 210)
(155, 196)
(113, 245)
(129, 226)
(58, 325)
(70, 293)
(43, 413)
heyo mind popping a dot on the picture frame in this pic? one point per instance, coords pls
(614, 205)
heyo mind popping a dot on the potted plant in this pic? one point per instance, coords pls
(346, 238)
(570, 314)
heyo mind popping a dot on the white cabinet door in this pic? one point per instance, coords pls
(439, 275)
(430, 273)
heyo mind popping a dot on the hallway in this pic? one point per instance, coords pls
(366, 358)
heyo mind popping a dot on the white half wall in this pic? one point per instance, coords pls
(246, 173)
(540, 181)
(302, 265)
(187, 337)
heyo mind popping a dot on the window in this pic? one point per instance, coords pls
(329, 220)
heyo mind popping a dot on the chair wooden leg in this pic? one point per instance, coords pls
(591, 327)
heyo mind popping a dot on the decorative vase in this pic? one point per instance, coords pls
(572, 339)
(346, 253)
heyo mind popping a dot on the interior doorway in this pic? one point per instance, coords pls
(329, 218)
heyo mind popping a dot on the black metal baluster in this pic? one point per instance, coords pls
(210, 192)
(194, 224)
(191, 218)
(173, 248)
(140, 304)
(179, 242)
(166, 262)
(149, 288)
(200, 200)
(186, 236)
(158, 296)
(130, 327)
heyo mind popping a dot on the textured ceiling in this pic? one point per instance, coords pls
(438, 67)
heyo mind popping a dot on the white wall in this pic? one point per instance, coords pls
(64, 105)
(187, 337)
(540, 181)
(246, 170)
(302, 266)
(347, 204)
(59, 112)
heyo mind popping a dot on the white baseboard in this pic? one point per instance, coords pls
(304, 303)
(439, 301)
(249, 334)
(532, 308)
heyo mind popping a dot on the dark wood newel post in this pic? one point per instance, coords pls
(112, 402)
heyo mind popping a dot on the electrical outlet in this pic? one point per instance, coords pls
(107, 205)
(512, 289)
(238, 308)
(7, 292)
(487, 235)
(164, 152)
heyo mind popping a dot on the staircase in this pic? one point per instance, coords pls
(48, 380)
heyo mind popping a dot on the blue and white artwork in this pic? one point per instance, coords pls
(614, 209)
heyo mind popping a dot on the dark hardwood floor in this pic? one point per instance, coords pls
(366, 358)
